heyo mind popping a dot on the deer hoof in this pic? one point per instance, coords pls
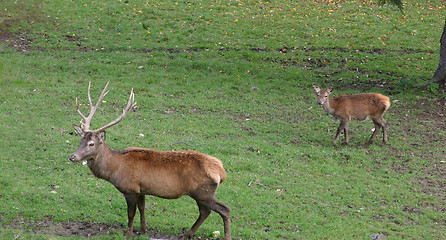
(128, 235)
(188, 235)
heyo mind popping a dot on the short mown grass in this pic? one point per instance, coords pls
(231, 79)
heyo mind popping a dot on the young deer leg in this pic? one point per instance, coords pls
(141, 206)
(342, 126)
(204, 213)
(384, 126)
(346, 132)
(379, 123)
(131, 209)
(377, 126)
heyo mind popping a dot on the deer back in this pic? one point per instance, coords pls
(359, 106)
(167, 174)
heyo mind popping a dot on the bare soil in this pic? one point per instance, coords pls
(85, 229)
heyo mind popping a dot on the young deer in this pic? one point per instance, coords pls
(137, 172)
(355, 107)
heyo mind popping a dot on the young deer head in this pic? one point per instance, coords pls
(323, 95)
(137, 172)
(355, 107)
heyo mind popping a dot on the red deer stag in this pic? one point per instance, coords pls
(355, 107)
(137, 172)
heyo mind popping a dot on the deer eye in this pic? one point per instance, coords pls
(91, 144)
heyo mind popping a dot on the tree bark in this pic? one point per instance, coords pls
(440, 74)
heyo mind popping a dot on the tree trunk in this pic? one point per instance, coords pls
(440, 74)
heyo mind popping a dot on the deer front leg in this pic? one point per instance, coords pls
(141, 207)
(131, 209)
(342, 126)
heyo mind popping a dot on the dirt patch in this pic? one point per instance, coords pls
(14, 28)
(47, 226)
(18, 40)
(86, 229)
(5, 24)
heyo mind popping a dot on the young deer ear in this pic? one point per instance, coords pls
(101, 136)
(316, 88)
(330, 89)
(78, 130)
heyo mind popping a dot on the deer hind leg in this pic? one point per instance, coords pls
(205, 209)
(384, 126)
(379, 123)
(207, 203)
(377, 126)
(225, 213)
(141, 207)
(131, 210)
(204, 213)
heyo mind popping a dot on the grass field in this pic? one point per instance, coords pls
(231, 79)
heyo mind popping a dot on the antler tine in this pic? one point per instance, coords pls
(95, 107)
(130, 104)
(86, 126)
(100, 97)
(89, 96)
(80, 113)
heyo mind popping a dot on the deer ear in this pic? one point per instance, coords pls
(101, 136)
(78, 130)
(316, 88)
(330, 89)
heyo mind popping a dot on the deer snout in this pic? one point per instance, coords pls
(73, 158)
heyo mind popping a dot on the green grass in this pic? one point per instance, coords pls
(231, 79)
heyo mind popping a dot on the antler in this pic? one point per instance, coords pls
(130, 104)
(86, 126)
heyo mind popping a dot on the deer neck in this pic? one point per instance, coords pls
(328, 105)
(104, 164)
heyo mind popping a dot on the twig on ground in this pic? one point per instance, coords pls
(255, 182)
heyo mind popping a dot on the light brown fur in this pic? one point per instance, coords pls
(355, 107)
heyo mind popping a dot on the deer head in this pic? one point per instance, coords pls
(323, 95)
(92, 140)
